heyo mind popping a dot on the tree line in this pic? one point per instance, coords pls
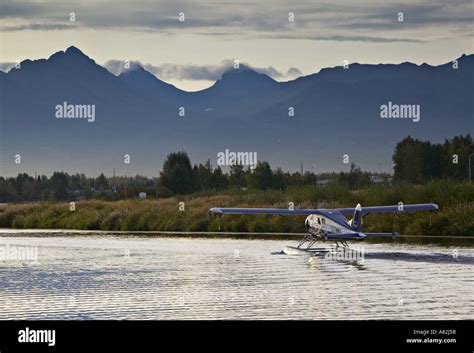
(415, 161)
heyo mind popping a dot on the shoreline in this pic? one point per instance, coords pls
(401, 239)
(165, 232)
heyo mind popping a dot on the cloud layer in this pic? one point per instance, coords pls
(357, 20)
(169, 72)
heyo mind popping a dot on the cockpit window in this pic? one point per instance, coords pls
(323, 220)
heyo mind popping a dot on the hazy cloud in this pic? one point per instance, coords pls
(37, 27)
(198, 72)
(354, 38)
(6, 66)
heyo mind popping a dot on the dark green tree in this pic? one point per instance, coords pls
(7, 190)
(262, 177)
(102, 183)
(58, 185)
(177, 174)
(279, 180)
(458, 150)
(219, 180)
(410, 158)
(237, 176)
(420, 161)
(203, 176)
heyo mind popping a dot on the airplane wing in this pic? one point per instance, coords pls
(345, 211)
(282, 211)
(393, 208)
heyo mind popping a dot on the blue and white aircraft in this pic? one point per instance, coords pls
(332, 223)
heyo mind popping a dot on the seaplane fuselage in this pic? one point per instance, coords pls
(318, 225)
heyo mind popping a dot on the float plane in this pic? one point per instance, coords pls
(331, 224)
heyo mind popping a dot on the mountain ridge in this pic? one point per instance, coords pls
(315, 119)
(74, 52)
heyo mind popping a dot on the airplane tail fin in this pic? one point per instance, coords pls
(356, 220)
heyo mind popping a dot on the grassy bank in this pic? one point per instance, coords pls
(455, 217)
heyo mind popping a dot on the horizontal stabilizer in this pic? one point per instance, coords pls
(381, 235)
(358, 236)
(343, 236)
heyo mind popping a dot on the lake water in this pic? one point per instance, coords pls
(119, 277)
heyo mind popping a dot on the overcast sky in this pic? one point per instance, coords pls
(192, 54)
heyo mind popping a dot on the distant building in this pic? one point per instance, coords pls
(323, 182)
(76, 195)
(376, 179)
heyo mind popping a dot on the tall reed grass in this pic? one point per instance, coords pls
(455, 217)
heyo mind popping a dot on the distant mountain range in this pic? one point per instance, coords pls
(336, 112)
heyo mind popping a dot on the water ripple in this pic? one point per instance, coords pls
(168, 278)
